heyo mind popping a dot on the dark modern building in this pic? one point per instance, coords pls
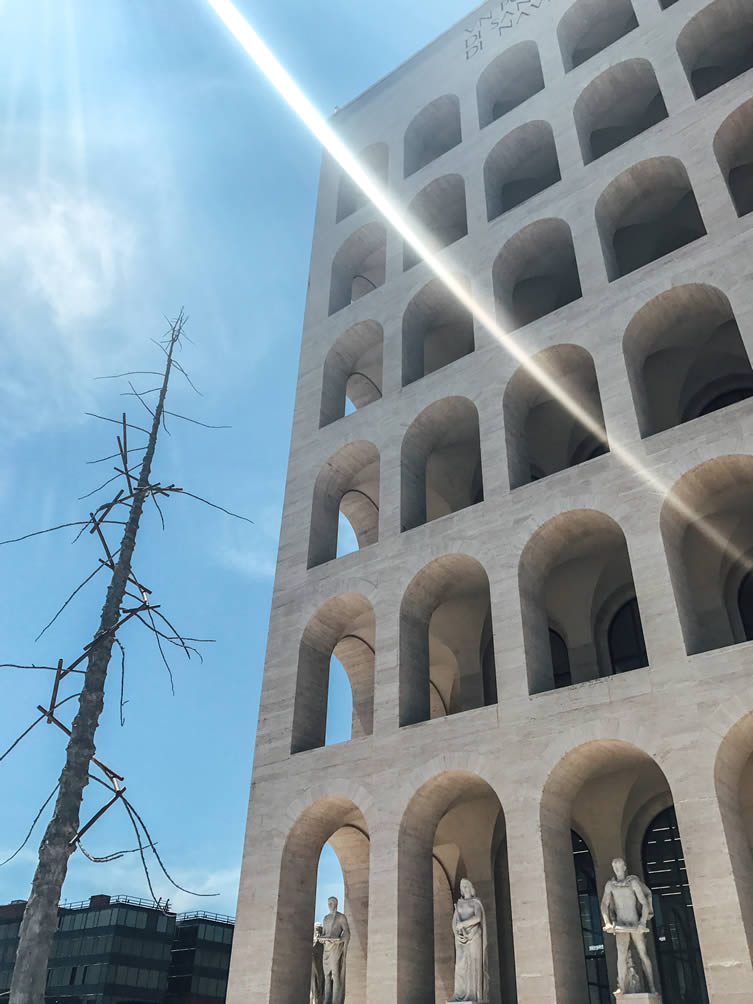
(200, 959)
(121, 950)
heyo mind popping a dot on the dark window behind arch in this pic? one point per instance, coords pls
(675, 935)
(590, 922)
(560, 660)
(726, 398)
(745, 605)
(627, 648)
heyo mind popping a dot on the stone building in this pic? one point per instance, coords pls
(546, 631)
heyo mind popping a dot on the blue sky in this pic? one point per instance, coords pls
(146, 165)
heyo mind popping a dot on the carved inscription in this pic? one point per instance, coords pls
(498, 18)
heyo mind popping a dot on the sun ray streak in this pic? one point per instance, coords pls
(300, 104)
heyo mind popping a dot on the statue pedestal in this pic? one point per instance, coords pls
(622, 998)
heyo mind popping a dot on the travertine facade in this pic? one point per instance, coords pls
(590, 168)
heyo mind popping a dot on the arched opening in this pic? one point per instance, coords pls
(446, 641)
(358, 267)
(348, 484)
(439, 211)
(678, 951)
(338, 822)
(437, 330)
(589, 899)
(520, 166)
(708, 539)
(733, 146)
(535, 273)
(510, 79)
(453, 829)
(609, 792)
(619, 104)
(716, 45)
(352, 371)
(440, 462)
(589, 26)
(733, 776)
(343, 629)
(543, 437)
(664, 4)
(575, 580)
(647, 212)
(685, 357)
(434, 131)
(350, 197)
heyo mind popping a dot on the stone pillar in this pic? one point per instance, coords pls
(381, 967)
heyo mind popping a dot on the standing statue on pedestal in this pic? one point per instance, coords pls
(334, 938)
(626, 908)
(317, 967)
(469, 929)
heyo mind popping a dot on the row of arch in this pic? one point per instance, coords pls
(646, 212)
(604, 798)
(684, 355)
(715, 47)
(580, 614)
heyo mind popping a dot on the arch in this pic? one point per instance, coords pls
(682, 350)
(343, 627)
(708, 540)
(439, 211)
(358, 267)
(445, 633)
(573, 573)
(627, 648)
(453, 823)
(348, 483)
(733, 146)
(352, 370)
(535, 273)
(648, 211)
(621, 103)
(520, 166)
(337, 820)
(432, 132)
(440, 463)
(733, 779)
(511, 78)
(350, 198)
(665, 4)
(590, 26)
(542, 436)
(716, 45)
(437, 330)
(601, 789)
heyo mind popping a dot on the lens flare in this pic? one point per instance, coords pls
(397, 217)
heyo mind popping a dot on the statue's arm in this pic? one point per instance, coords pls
(644, 900)
(606, 901)
(345, 931)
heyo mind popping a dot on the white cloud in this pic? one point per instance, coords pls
(65, 257)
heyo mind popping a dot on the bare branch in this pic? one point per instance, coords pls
(104, 418)
(118, 376)
(34, 823)
(62, 526)
(107, 857)
(109, 481)
(136, 394)
(204, 425)
(122, 680)
(235, 515)
(159, 510)
(114, 456)
(62, 608)
(15, 665)
(22, 736)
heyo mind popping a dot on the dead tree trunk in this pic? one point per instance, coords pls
(40, 917)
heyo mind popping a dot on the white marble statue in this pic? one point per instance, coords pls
(469, 929)
(626, 908)
(334, 937)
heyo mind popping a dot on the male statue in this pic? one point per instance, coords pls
(626, 908)
(335, 937)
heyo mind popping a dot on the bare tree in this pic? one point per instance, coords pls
(126, 599)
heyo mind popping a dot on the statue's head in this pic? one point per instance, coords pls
(619, 868)
(332, 904)
(466, 889)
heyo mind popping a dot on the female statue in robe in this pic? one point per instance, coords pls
(469, 929)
